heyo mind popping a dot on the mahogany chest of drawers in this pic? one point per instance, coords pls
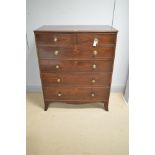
(76, 63)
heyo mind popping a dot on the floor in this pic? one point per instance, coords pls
(67, 129)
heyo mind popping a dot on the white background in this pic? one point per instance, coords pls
(12, 79)
(78, 12)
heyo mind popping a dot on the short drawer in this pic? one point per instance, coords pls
(103, 39)
(51, 38)
(76, 52)
(59, 66)
(76, 94)
(76, 79)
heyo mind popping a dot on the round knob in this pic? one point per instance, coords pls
(92, 94)
(57, 66)
(93, 81)
(95, 53)
(55, 39)
(59, 94)
(94, 66)
(56, 52)
(58, 80)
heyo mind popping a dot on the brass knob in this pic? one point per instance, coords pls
(92, 94)
(93, 81)
(55, 39)
(94, 66)
(95, 53)
(57, 66)
(58, 80)
(56, 52)
(59, 94)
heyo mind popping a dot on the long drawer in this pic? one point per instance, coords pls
(76, 79)
(78, 52)
(75, 94)
(76, 65)
(87, 39)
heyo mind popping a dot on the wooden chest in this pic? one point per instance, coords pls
(76, 63)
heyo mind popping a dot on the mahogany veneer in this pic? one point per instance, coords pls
(76, 63)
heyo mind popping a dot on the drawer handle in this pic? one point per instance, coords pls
(58, 80)
(95, 53)
(56, 52)
(57, 66)
(59, 94)
(93, 81)
(94, 66)
(92, 94)
(95, 42)
(55, 39)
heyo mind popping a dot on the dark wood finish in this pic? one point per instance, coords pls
(76, 65)
(76, 52)
(76, 93)
(86, 39)
(72, 68)
(76, 79)
(76, 28)
(44, 38)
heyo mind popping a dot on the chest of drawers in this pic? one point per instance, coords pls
(76, 63)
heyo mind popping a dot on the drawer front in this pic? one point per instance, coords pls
(78, 52)
(72, 93)
(102, 39)
(76, 65)
(55, 39)
(83, 79)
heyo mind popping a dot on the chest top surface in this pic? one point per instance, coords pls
(76, 28)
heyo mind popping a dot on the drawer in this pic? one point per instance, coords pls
(54, 39)
(83, 79)
(76, 52)
(102, 39)
(76, 94)
(59, 66)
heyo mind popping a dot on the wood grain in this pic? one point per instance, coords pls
(76, 65)
(76, 52)
(76, 79)
(76, 93)
(72, 70)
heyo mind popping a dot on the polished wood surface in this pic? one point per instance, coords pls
(55, 39)
(76, 93)
(86, 39)
(76, 79)
(76, 52)
(76, 63)
(76, 28)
